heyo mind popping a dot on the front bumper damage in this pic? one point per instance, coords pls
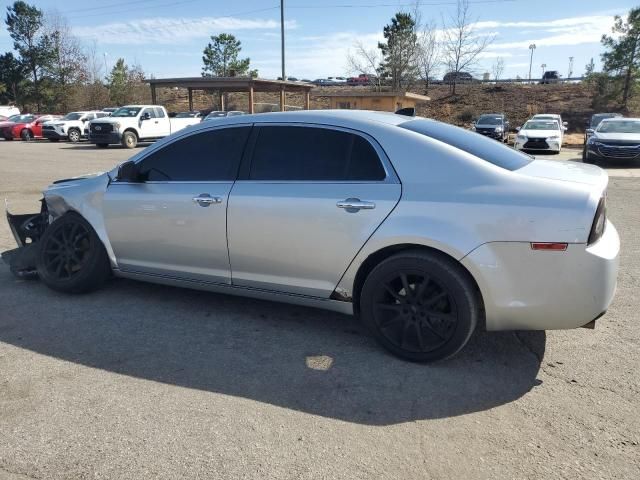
(27, 229)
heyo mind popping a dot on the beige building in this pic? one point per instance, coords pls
(381, 101)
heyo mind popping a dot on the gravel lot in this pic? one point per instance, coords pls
(144, 381)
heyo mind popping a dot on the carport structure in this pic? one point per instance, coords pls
(233, 84)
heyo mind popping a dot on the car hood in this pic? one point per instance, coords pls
(74, 180)
(486, 125)
(111, 119)
(617, 137)
(567, 171)
(539, 133)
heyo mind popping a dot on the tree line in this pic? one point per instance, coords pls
(50, 70)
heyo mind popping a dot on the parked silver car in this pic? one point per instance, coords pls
(421, 228)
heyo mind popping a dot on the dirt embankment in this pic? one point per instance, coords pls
(519, 102)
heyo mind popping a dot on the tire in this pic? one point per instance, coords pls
(102, 145)
(129, 140)
(438, 317)
(26, 135)
(54, 140)
(71, 257)
(74, 135)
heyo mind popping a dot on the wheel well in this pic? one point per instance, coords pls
(132, 130)
(377, 257)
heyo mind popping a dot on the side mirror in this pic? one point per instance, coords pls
(146, 116)
(565, 124)
(589, 131)
(518, 129)
(128, 172)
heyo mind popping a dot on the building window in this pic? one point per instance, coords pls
(344, 105)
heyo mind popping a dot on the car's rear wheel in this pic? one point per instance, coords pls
(129, 140)
(74, 135)
(72, 258)
(420, 306)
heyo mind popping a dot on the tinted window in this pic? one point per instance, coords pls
(206, 156)
(313, 154)
(159, 112)
(482, 147)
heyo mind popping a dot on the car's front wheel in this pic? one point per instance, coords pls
(129, 140)
(420, 306)
(71, 257)
(74, 135)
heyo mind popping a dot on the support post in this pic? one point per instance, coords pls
(190, 99)
(251, 99)
(282, 99)
(222, 105)
(307, 100)
(153, 94)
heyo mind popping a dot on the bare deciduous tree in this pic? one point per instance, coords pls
(462, 44)
(366, 61)
(67, 67)
(498, 68)
(429, 54)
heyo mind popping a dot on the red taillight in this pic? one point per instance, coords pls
(553, 246)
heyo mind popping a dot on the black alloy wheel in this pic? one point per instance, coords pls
(66, 251)
(421, 306)
(72, 258)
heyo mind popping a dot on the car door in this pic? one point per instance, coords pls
(173, 221)
(308, 201)
(163, 123)
(151, 127)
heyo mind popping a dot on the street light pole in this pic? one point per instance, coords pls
(282, 36)
(532, 47)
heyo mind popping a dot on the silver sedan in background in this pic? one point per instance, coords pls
(423, 229)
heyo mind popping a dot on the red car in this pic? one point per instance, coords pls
(27, 126)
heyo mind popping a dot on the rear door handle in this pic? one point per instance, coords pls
(355, 204)
(204, 200)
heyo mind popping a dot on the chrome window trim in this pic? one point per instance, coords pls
(390, 173)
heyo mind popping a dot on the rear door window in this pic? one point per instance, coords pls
(304, 153)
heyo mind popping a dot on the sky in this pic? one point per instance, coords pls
(167, 37)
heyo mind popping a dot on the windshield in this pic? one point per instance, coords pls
(186, 114)
(596, 119)
(72, 116)
(478, 145)
(22, 118)
(126, 112)
(619, 126)
(489, 120)
(541, 125)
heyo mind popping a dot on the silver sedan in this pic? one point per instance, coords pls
(422, 229)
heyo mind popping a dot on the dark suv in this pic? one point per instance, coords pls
(459, 77)
(494, 125)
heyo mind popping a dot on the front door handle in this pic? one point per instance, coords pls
(204, 200)
(355, 204)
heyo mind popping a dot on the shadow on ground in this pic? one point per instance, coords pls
(262, 351)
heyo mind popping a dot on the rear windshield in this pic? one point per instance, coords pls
(482, 147)
(186, 114)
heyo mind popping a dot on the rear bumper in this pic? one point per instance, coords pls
(525, 289)
(109, 138)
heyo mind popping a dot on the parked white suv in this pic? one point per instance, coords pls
(71, 126)
(135, 123)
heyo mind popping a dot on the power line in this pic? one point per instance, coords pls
(395, 5)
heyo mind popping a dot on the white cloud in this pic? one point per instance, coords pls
(165, 30)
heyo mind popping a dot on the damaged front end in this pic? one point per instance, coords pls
(27, 229)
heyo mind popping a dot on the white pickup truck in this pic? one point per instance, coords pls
(135, 123)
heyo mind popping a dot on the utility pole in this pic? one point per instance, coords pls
(106, 70)
(570, 68)
(282, 36)
(544, 67)
(532, 47)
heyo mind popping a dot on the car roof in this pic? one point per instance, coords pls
(621, 119)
